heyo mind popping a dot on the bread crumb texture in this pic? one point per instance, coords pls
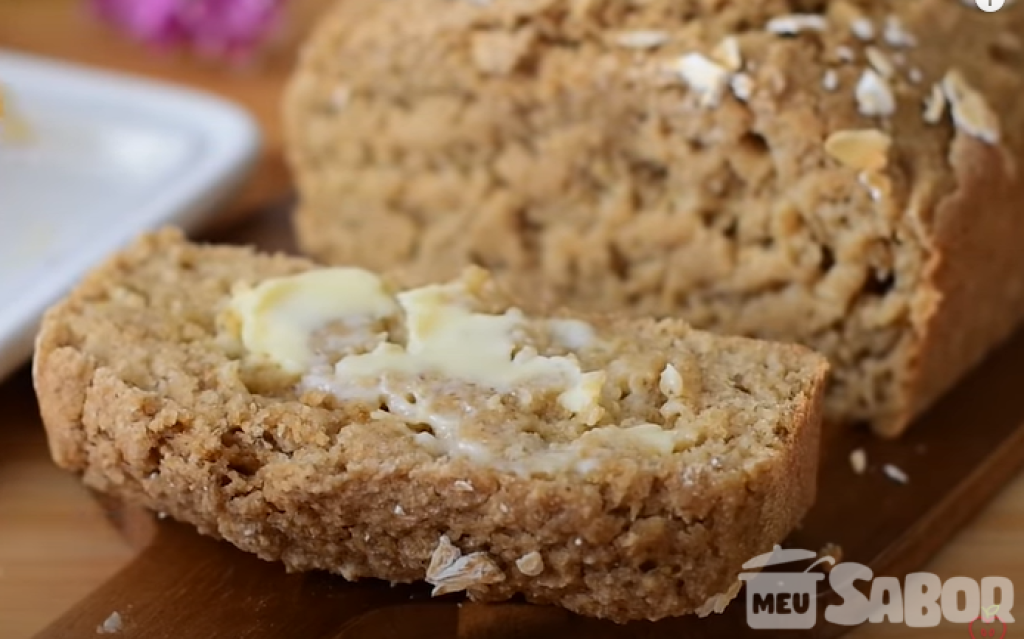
(840, 174)
(148, 391)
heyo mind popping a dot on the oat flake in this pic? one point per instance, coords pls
(878, 185)
(728, 54)
(641, 39)
(863, 29)
(874, 95)
(742, 86)
(861, 149)
(971, 113)
(896, 35)
(934, 105)
(796, 23)
(705, 77)
(449, 571)
(880, 62)
(830, 81)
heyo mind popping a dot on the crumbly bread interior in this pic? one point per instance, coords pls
(147, 388)
(770, 168)
(644, 389)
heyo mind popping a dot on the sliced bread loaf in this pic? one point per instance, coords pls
(841, 174)
(621, 468)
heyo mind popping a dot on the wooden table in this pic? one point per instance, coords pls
(56, 546)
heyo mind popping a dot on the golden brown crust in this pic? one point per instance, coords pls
(136, 398)
(976, 274)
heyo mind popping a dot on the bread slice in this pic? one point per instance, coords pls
(620, 468)
(840, 174)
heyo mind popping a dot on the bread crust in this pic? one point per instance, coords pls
(975, 275)
(178, 434)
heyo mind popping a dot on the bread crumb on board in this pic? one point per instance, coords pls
(896, 474)
(111, 625)
(833, 550)
(859, 461)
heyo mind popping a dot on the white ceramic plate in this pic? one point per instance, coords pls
(107, 157)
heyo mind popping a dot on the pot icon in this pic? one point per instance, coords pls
(782, 600)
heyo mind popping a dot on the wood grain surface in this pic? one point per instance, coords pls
(182, 584)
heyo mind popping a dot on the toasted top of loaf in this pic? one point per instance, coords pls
(621, 468)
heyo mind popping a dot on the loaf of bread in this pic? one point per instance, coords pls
(621, 468)
(840, 174)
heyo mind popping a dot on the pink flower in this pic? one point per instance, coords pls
(230, 28)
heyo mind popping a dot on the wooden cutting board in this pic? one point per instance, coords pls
(957, 457)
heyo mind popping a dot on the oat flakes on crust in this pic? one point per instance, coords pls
(660, 180)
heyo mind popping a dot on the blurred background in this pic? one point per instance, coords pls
(97, 33)
(55, 544)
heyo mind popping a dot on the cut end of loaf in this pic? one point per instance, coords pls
(149, 389)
